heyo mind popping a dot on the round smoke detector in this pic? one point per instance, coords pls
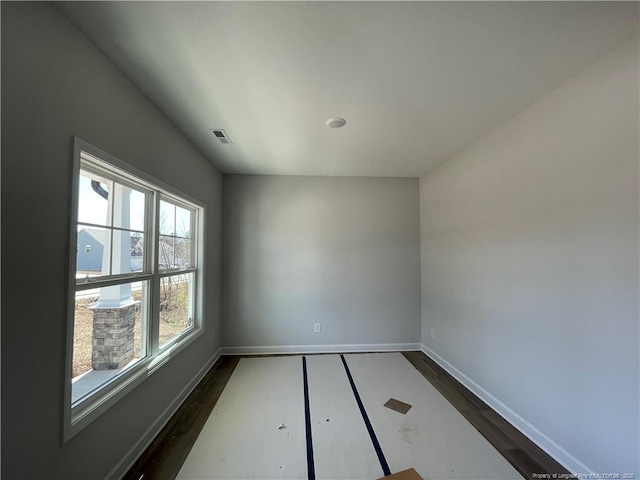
(336, 122)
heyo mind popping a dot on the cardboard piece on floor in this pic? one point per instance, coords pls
(397, 405)
(409, 474)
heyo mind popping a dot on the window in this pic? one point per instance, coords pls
(175, 264)
(136, 281)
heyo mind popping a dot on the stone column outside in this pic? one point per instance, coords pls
(113, 344)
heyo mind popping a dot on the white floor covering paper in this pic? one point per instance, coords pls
(433, 437)
(341, 447)
(241, 439)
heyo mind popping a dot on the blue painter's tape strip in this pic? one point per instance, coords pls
(365, 417)
(311, 471)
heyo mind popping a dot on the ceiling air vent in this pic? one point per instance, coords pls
(222, 136)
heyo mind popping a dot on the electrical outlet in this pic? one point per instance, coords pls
(433, 333)
(316, 328)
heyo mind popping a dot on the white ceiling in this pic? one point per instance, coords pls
(417, 82)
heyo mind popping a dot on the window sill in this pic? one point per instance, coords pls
(88, 408)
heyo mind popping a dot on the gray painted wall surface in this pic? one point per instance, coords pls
(530, 263)
(56, 84)
(340, 251)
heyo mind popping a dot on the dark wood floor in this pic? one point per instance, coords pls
(166, 454)
(522, 453)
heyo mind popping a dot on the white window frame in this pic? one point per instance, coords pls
(85, 410)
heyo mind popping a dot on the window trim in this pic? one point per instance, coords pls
(83, 413)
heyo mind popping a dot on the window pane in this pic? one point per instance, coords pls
(92, 199)
(129, 208)
(166, 253)
(176, 306)
(167, 218)
(127, 252)
(110, 324)
(183, 222)
(92, 258)
(183, 253)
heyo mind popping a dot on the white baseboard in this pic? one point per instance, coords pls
(536, 436)
(121, 468)
(299, 349)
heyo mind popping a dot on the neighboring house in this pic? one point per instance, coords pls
(91, 249)
(174, 252)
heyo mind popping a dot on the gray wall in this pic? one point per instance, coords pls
(343, 252)
(530, 264)
(56, 84)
